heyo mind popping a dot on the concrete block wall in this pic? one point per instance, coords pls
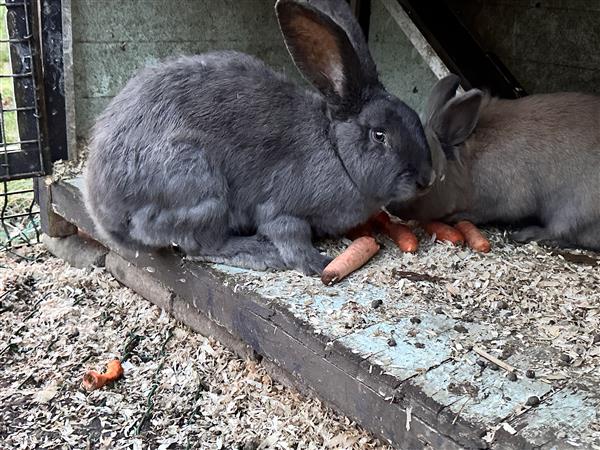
(114, 38)
(549, 45)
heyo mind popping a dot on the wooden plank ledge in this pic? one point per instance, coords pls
(419, 392)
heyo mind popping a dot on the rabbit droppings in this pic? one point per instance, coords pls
(236, 164)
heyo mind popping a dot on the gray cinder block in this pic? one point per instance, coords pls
(77, 250)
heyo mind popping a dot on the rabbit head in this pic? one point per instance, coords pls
(449, 122)
(378, 138)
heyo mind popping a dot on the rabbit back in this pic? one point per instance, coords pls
(536, 156)
(187, 130)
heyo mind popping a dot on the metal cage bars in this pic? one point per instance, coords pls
(21, 108)
(22, 157)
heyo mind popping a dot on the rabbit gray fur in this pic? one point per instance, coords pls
(535, 159)
(236, 164)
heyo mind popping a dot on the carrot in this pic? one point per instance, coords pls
(366, 229)
(444, 232)
(473, 236)
(354, 257)
(93, 380)
(397, 232)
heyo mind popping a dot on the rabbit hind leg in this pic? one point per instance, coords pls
(156, 226)
(587, 237)
(251, 252)
(563, 234)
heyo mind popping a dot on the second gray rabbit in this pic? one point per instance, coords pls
(236, 164)
(534, 159)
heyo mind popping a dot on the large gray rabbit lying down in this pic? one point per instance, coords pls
(534, 159)
(236, 164)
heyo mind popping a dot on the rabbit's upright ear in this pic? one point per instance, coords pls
(328, 48)
(340, 12)
(455, 122)
(442, 92)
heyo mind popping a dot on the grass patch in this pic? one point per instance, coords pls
(19, 203)
(18, 230)
(9, 120)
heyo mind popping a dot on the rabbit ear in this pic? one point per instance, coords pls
(455, 122)
(458, 118)
(340, 12)
(323, 50)
(441, 93)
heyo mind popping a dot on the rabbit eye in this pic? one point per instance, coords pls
(378, 136)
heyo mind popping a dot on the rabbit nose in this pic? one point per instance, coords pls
(425, 179)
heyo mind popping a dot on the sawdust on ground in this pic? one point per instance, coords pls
(180, 390)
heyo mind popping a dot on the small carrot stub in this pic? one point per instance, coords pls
(474, 238)
(93, 380)
(402, 235)
(444, 232)
(366, 229)
(358, 253)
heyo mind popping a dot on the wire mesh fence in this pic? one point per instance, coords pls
(19, 214)
(21, 155)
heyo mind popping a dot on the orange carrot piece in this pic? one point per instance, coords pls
(474, 238)
(366, 229)
(93, 380)
(404, 238)
(358, 253)
(402, 235)
(444, 232)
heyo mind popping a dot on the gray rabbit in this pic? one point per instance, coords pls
(236, 164)
(534, 161)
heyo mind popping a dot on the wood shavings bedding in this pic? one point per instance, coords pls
(520, 299)
(62, 170)
(57, 321)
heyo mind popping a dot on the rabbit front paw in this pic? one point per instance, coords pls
(314, 263)
(532, 233)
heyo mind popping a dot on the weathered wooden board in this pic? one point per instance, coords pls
(464, 392)
(293, 356)
(426, 389)
(148, 287)
(51, 223)
(570, 418)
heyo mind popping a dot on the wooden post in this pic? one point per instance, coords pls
(51, 223)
